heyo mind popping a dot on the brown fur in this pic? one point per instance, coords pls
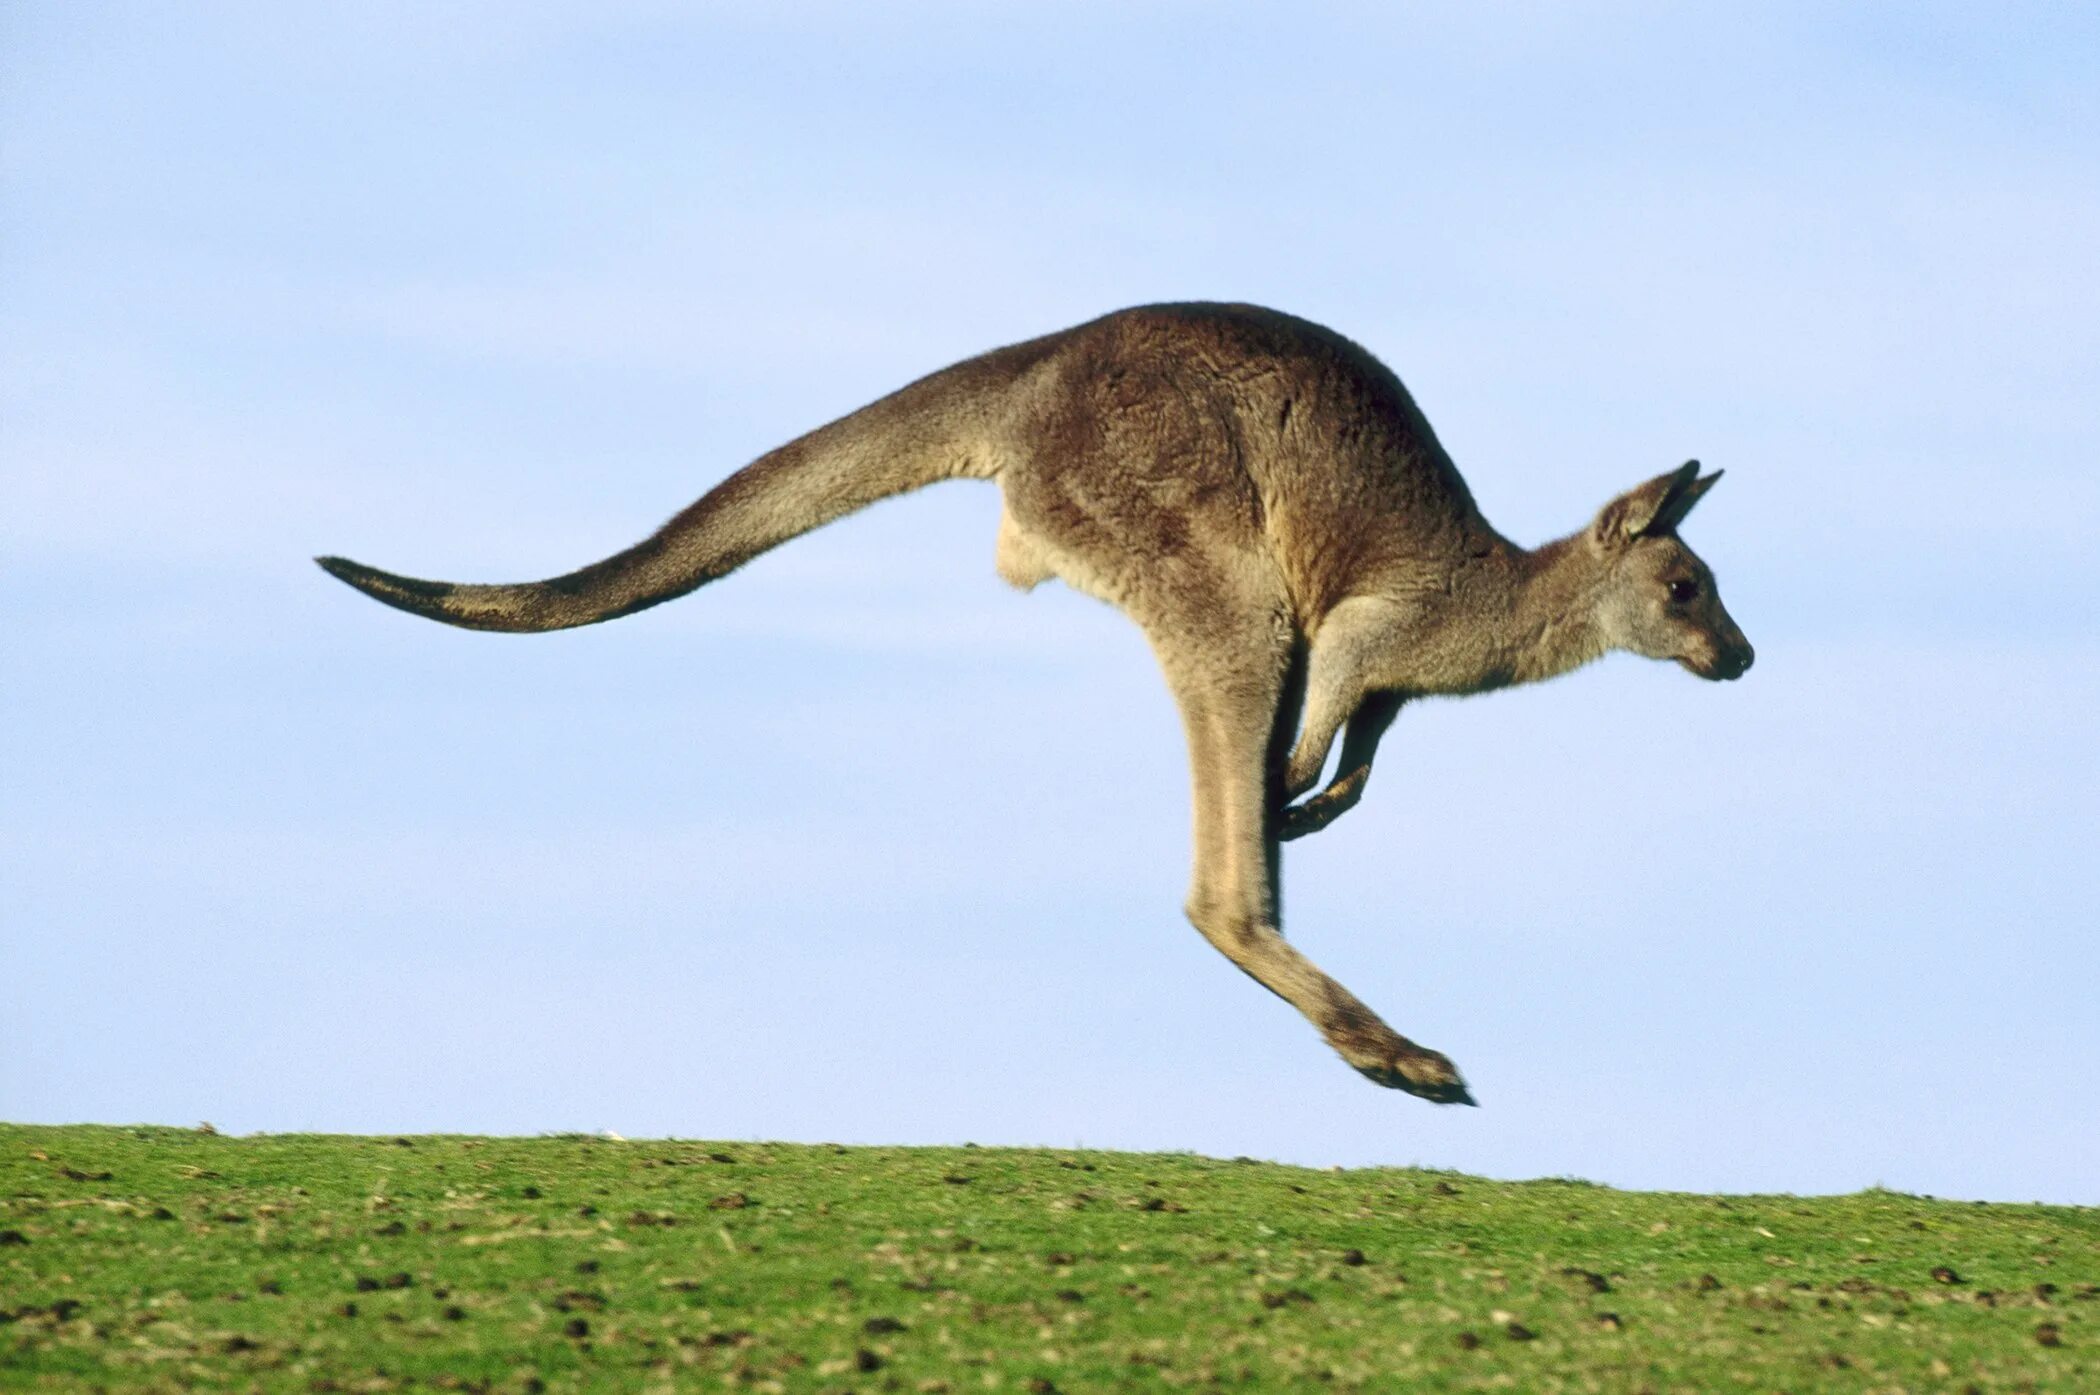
(1265, 500)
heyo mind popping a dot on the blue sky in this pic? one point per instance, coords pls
(859, 845)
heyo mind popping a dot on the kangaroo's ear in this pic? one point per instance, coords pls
(1680, 502)
(1655, 507)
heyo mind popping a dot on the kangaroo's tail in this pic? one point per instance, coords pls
(943, 426)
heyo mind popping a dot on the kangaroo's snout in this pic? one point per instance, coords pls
(1729, 660)
(1737, 653)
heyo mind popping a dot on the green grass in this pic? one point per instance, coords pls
(160, 1259)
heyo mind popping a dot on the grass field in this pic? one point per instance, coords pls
(155, 1259)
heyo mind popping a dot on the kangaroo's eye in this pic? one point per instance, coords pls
(1683, 591)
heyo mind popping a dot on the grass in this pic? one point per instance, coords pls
(161, 1259)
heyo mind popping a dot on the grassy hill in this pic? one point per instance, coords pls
(161, 1259)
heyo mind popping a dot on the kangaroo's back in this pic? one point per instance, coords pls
(1164, 429)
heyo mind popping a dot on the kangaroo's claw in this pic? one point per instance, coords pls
(1310, 817)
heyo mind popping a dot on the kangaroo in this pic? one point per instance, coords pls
(1266, 501)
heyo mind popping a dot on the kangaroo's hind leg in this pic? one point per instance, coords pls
(1231, 689)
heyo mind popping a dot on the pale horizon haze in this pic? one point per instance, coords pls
(860, 845)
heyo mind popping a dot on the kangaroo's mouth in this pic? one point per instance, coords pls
(1722, 667)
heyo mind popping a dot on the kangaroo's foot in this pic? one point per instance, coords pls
(1389, 1059)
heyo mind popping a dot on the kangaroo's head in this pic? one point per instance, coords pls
(1657, 598)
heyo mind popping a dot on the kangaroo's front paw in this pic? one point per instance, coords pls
(1310, 817)
(1323, 808)
(1399, 1064)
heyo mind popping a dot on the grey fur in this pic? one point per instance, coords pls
(1265, 500)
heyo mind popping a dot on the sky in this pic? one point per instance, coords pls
(859, 845)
